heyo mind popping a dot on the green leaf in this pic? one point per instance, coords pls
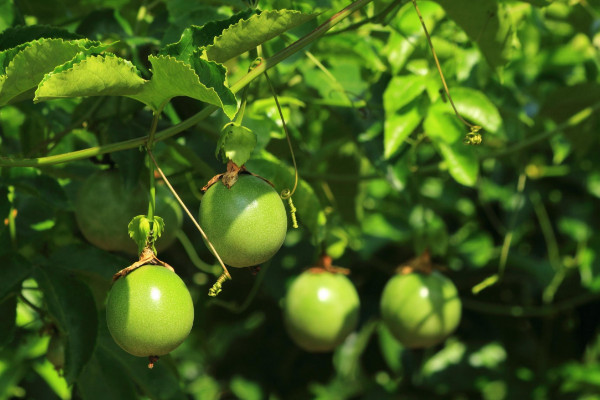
(204, 81)
(13, 37)
(140, 232)
(397, 128)
(309, 210)
(98, 75)
(72, 306)
(402, 90)
(477, 108)
(196, 37)
(249, 33)
(26, 65)
(461, 160)
(105, 378)
(487, 23)
(161, 382)
(442, 126)
(14, 270)
(236, 144)
(8, 316)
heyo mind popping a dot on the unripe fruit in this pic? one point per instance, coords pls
(246, 223)
(104, 207)
(420, 310)
(321, 309)
(149, 312)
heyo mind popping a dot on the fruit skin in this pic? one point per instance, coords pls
(56, 352)
(321, 309)
(420, 310)
(104, 207)
(247, 223)
(149, 312)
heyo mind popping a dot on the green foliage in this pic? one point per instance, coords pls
(236, 143)
(144, 230)
(384, 174)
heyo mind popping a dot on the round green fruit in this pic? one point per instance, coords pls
(321, 309)
(246, 223)
(149, 312)
(420, 310)
(104, 207)
(56, 352)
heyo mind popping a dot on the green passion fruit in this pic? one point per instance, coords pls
(149, 312)
(104, 207)
(246, 223)
(420, 310)
(321, 309)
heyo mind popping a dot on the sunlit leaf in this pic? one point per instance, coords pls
(236, 143)
(249, 33)
(398, 127)
(100, 75)
(204, 81)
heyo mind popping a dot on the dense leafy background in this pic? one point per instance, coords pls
(385, 175)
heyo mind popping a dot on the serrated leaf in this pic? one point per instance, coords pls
(461, 160)
(236, 143)
(249, 33)
(13, 37)
(203, 80)
(72, 306)
(309, 210)
(98, 75)
(26, 65)
(487, 23)
(397, 128)
(195, 37)
(402, 90)
(477, 108)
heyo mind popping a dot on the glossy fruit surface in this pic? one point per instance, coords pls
(247, 223)
(320, 310)
(104, 207)
(420, 310)
(149, 312)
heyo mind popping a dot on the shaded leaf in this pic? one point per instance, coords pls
(487, 23)
(72, 306)
(14, 270)
(249, 33)
(101, 75)
(105, 378)
(204, 81)
(236, 143)
(8, 315)
(13, 37)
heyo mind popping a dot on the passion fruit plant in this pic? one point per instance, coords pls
(442, 152)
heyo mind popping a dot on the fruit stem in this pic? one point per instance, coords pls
(210, 245)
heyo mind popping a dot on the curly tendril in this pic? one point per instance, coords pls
(286, 194)
(218, 286)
